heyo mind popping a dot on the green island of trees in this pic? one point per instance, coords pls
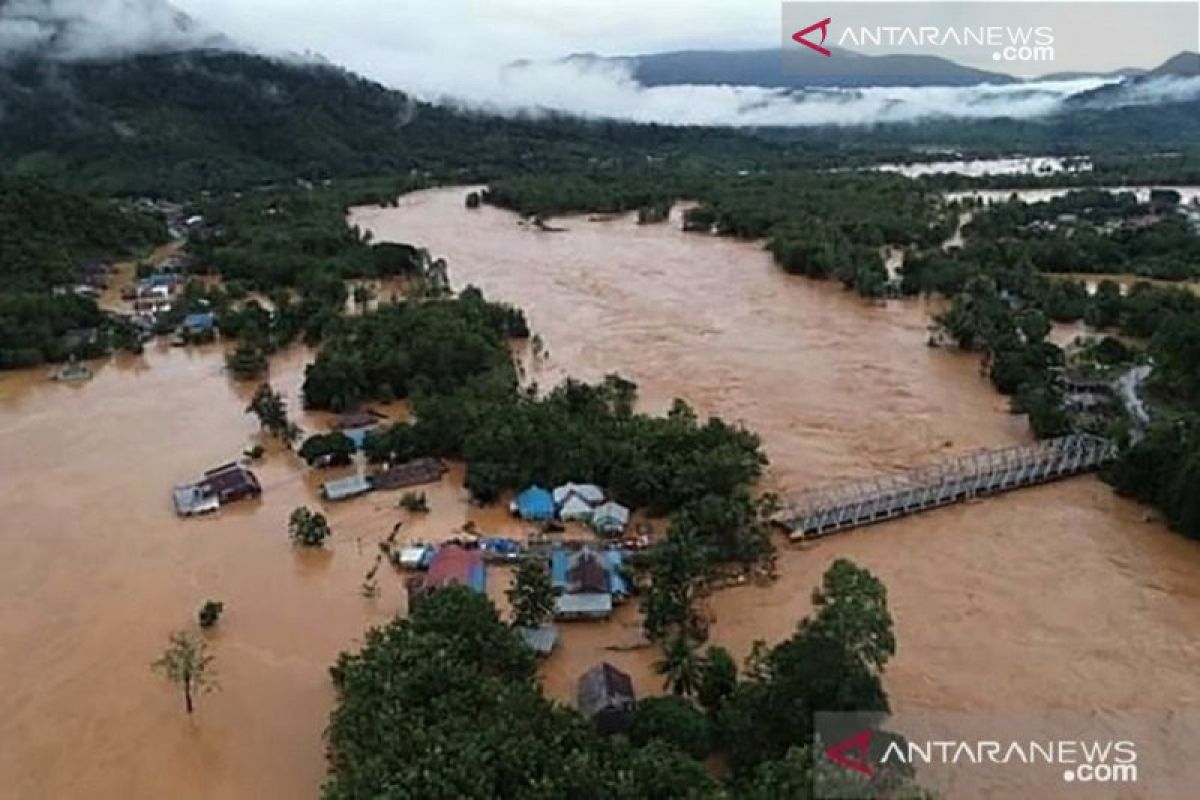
(475, 724)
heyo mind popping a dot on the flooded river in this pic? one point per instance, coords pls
(1061, 597)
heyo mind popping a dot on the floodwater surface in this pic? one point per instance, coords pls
(1063, 596)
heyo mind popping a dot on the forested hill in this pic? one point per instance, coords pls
(177, 123)
(45, 234)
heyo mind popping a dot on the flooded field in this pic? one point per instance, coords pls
(1061, 597)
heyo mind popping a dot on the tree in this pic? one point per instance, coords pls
(187, 662)
(680, 666)
(271, 410)
(308, 528)
(678, 568)
(328, 450)
(532, 594)
(672, 719)
(718, 678)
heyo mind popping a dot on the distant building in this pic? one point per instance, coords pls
(585, 582)
(606, 698)
(535, 504)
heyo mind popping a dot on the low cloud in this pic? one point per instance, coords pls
(606, 89)
(83, 29)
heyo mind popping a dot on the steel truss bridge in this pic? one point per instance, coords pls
(822, 511)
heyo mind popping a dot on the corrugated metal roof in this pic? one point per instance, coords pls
(346, 488)
(577, 606)
(541, 640)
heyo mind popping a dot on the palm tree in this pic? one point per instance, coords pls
(680, 666)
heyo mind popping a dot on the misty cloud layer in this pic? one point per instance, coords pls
(455, 51)
(80, 29)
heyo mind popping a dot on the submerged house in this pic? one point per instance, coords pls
(535, 504)
(587, 583)
(606, 697)
(225, 484)
(410, 473)
(346, 488)
(451, 565)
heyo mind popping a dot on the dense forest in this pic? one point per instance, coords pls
(46, 236)
(476, 725)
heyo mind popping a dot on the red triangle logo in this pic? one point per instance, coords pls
(798, 36)
(854, 753)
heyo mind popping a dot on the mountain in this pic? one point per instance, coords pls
(766, 68)
(1175, 80)
(1184, 65)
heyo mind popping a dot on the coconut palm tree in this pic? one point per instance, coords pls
(680, 666)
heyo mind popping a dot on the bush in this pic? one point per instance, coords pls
(210, 613)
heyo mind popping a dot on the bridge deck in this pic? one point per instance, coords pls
(827, 510)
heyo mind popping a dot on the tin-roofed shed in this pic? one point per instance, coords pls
(606, 697)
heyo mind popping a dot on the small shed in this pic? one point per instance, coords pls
(606, 697)
(535, 504)
(346, 488)
(610, 519)
(540, 640)
(416, 557)
(351, 420)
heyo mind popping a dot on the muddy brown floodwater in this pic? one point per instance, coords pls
(1061, 596)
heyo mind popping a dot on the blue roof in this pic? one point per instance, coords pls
(500, 546)
(616, 580)
(200, 322)
(535, 503)
(559, 562)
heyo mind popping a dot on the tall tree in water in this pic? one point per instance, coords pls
(187, 663)
(532, 594)
(271, 409)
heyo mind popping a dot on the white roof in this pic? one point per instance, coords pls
(410, 557)
(583, 605)
(575, 508)
(588, 492)
(346, 488)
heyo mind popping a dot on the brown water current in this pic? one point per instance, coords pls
(1062, 597)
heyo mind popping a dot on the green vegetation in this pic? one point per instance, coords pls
(475, 723)
(327, 450)
(210, 613)
(308, 528)
(46, 236)
(531, 594)
(187, 663)
(415, 502)
(270, 408)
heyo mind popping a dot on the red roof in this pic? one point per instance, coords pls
(453, 564)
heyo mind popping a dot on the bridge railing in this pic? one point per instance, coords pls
(825, 510)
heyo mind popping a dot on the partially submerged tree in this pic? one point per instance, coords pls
(210, 613)
(308, 528)
(187, 663)
(532, 594)
(271, 409)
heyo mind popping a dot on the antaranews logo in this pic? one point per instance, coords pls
(854, 753)
(823, 26)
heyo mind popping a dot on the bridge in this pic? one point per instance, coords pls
(820, 512)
